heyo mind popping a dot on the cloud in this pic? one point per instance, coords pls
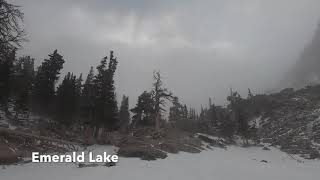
(202, 47)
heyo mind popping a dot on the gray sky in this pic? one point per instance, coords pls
(201, 47)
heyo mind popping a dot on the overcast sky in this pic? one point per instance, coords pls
(202, 47)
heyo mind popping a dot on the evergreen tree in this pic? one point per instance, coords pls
(79, 85)
(176, 111)
(6, 73)
(191, 115)
(11, 36)
(239, 115)
(211, 114)
(143, 111)
(185, 112)
(88, 97)
(11, 19)
(124, 115)
(45, 79)
(67, 98)
(250, 95)
(202, 117)
(106, 109)
(79, 90)
(227, 128)
(160, 95)
(22, 82)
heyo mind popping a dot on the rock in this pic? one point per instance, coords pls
(196, 142)
(213, 142)
(209, 147)
(7, 154)
(143, 152)
(169, 147)
(266, 148)
(206, 139)
(82, 165)
(110, 164)
(188, 148)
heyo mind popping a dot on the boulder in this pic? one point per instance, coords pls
(266, 148)
(110, 164)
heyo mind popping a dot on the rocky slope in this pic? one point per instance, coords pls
(291, 119)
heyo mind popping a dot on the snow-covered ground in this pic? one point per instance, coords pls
(235, 163)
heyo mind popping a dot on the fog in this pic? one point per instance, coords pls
(202, 48)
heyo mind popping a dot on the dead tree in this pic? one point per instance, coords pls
(11, 32)
(160, 96)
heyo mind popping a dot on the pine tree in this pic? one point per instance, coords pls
(11, 36)
(45, 79)
(67, 97)
(6, 72)
(239, 116)
(79, 90)
(79, 85)
(106, 109)
(88, 97)
(11, 19)
(160, 95)
(176, 111)
(211, 113)
(124, 115)
(250, 95)
(143, 111)
(22, 83)
(185, 113)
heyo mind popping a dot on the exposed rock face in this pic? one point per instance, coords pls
(292, 120)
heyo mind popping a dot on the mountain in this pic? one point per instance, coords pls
(307, 69)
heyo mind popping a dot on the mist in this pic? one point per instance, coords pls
(201, 48)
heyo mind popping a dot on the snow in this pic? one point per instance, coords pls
(218, 164)
(209, 136)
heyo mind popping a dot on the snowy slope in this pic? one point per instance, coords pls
(218, 164)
